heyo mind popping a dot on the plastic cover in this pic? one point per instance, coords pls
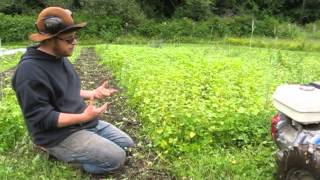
(299, 102)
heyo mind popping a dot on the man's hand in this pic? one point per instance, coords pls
(92, 111)
(103, 91)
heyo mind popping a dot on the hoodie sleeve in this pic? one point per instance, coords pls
(34, 99)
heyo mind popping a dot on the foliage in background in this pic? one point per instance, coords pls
(18, 28)
(9, 61)
(217, 27)
(300, 11)
(283, 44)
(195, 99)
(170, 19)
(106, 28)
(195, 9)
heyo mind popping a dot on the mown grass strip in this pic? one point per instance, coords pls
(284, 44)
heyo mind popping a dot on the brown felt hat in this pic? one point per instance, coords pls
(52, 21)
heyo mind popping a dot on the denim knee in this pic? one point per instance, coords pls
(129, 142)
(117, 160)
(106, 164)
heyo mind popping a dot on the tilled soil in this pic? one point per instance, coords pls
(141, 162)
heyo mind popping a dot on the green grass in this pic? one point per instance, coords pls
(75, 54)
(239, 163)
(201, 104)
(11, 120)
(25, 162)
(9, 61)
(206, 107)
(303, 43)
(297, 44)
(284, 44)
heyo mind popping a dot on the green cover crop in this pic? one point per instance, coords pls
(201, 96)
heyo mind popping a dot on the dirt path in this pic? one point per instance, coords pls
(141, 161)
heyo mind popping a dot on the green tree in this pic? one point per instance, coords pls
(159, 8)
(195, 9)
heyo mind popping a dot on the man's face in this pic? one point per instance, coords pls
(64, 44)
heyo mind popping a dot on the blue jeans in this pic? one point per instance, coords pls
(98, 150)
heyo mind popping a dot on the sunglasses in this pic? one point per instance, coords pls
(68, 40)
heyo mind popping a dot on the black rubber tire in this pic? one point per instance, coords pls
(298, 163)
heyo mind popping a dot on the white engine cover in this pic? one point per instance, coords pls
(299, 102)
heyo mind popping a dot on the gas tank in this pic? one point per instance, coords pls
(299, 102)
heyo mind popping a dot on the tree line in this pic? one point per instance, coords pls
(298, 11)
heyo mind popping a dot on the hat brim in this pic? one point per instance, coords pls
(38, 37)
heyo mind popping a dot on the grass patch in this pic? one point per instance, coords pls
(283, 44)
(76, 53)
(25, 162)
(9, 61)
(251, 163)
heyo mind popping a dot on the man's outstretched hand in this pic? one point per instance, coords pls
(92, 111)
(103, 91)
